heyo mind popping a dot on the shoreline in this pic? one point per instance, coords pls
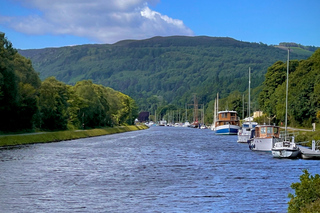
(50, 137)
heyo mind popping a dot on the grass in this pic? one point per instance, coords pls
(45, 137)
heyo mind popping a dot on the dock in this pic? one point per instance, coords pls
(308, 153)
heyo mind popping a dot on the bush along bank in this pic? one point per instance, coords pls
(45, 137)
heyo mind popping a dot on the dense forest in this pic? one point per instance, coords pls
(166, 74)
(303, 95)
(166, 69)
(27, 103)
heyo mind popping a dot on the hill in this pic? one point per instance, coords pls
(170, 68)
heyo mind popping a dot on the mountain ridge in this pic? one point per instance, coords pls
(172, 67)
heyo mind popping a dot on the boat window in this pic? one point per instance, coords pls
(276, 130)
(224, 115)
(263, 130)
(269, 130)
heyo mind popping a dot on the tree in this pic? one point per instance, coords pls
(8, 85)
(307, 194)
(53, 105)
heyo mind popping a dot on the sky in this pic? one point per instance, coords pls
(35, 24)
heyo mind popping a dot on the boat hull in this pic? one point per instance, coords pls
(263, 144)
(243, 138)
(286, 153)
(227, 130)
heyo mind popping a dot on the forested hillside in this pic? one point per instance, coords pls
(164, 69)
(304, 91)
(27, 104)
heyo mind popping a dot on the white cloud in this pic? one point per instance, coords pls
(103, 21)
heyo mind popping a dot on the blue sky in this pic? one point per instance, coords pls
(33, 24)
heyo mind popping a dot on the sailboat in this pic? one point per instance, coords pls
(244, 133)
(286, 148)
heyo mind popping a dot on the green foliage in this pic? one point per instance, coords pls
(170, 67)
(18, 89)
(53, 104)
(27, 103)
(307, 194)
(304, 91)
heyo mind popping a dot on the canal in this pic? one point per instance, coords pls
(162, 169)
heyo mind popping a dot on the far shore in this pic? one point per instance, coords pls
(47, 137)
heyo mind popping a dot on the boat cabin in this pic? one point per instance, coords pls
(267, 131)
(228, 117)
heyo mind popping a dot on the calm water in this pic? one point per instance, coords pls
(162, 169)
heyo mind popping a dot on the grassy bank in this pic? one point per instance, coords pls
(44, 137)
(308, 136)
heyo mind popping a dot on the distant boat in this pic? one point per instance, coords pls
(244, 134)
(227, 123)
(186, 124)
(286, 149)
(163, 123)
(264, 138)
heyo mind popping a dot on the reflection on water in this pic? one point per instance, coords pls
(162, 169)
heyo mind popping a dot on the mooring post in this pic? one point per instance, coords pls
(313, 145)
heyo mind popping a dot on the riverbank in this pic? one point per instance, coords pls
(45, 137)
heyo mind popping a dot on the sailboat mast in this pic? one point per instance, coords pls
(249, 93)
(186, 113)
(217, 103)
(287, 85)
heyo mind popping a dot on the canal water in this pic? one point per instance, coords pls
(162, 169)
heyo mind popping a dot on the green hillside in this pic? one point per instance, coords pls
(169, 68)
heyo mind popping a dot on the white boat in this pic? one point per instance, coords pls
(186, 124)
(244, 133)
(227, 123)
(286, 149)
(163, 123)
(265, 137)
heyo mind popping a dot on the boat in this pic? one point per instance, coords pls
(244, 133)
(186, 124)
(264, 137)
(227, 123)
(286, 148)
(163, 123)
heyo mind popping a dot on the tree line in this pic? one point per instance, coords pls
(303, 91)
(171, 67)
(27, 103)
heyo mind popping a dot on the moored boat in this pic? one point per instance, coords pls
(244, 133)
(265, 137)
(286, 149)
(227, 123)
